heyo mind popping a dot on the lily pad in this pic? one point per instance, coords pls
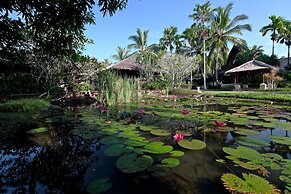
(38, 130)
(109, 140)
(247, 132)
(117, 150)
(176, 153)
(194, 144)
(281, 140)
(157, 148)
(136, 142)
(242, 153)
(132, 163)
(252, 184)
(99, 186)
(171, 162)
(252, 142)
(160, 132)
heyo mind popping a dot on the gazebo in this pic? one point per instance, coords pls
(127, 67)
(250, 67)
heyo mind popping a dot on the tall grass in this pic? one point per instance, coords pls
(114, 89)
(24, 105)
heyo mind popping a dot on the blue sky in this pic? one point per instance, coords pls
(155, 15)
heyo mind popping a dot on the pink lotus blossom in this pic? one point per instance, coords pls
(185, 112)
(128, 120)
(140, 111)
(178, 136)
(219, 123)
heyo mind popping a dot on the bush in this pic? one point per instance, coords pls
(83, 87)
(25, 105)
(155, 84)
(182, 91)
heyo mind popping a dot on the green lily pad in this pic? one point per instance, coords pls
(247, 132)
(252, 142)
(281, 140)
(132, 163)
(117, 150)
(128, 134)
(99, 186)
(176, 153)
(134, 142)
(38, 130)
(146, 128)
(194, 144)
(109, 140)
(252, 184)
(160, 132)
(171, 162)
(242, 153)
(157, 148)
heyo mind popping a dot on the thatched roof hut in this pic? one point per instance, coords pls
(250, 69)
(253, 65)
(126, 67)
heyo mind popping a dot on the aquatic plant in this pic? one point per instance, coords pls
(250, 184)
(252, 142)
(171, 162)
(98, 186)
(247, 132)
(131, 163)
(38, 130)
(185, 112)
(194, 144)
(178, 136)
(117, 150)
(25, 105)
(219, 123)
(160, 132)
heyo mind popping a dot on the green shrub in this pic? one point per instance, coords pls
(182, 91)
(24, 105)
(83, 87)
(155, 84)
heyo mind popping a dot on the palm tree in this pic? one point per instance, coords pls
(203, 13)
(193, 36)
(273, 27)
(224, 31)
(171, 39)
(256, 51)
(122, 53)
(285, 37)
(139, 40)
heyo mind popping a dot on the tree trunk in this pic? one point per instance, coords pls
(288, 55)
(273, 47)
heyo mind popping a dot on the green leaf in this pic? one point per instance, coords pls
(38, 130)
(252, 142)
(132, 163)
(194, 144)
(117, 150)
(157, 148)
(171, 162)
(99, 186)
(160, 132)
(247, 132)
(176, 153)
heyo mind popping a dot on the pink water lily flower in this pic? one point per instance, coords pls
(140, 111)
(219, 123)
(185, 112)
(178, 136)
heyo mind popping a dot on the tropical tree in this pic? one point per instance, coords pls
(122, 53)
(139, 40)
(225, 31)
(170, 39)
(203, 14)
(285, 37)
(192, 36)
(273, 27)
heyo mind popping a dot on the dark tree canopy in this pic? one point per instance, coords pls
(53, 27)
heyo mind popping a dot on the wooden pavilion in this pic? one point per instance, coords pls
(128, 67)
(253, 67)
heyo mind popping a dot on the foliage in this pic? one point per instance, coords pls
(251, 184)
(98, 186)
(122, 53)
(182, 91)
(170, 39)
(132, 163)
(38, 130)
(194, 144)
(178, 66)
(114, 89)
(81, 87)
(155, 83)
(25, 105)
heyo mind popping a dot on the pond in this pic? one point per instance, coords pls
(165, 146)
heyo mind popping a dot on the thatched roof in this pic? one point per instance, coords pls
(127, 64)
(252, 65)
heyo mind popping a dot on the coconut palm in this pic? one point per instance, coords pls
(171, 39)
(225, 31)
(203, 13)
(193, 36)
(285, 36)
(273, 27)
(139, 40)
(122, 53)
